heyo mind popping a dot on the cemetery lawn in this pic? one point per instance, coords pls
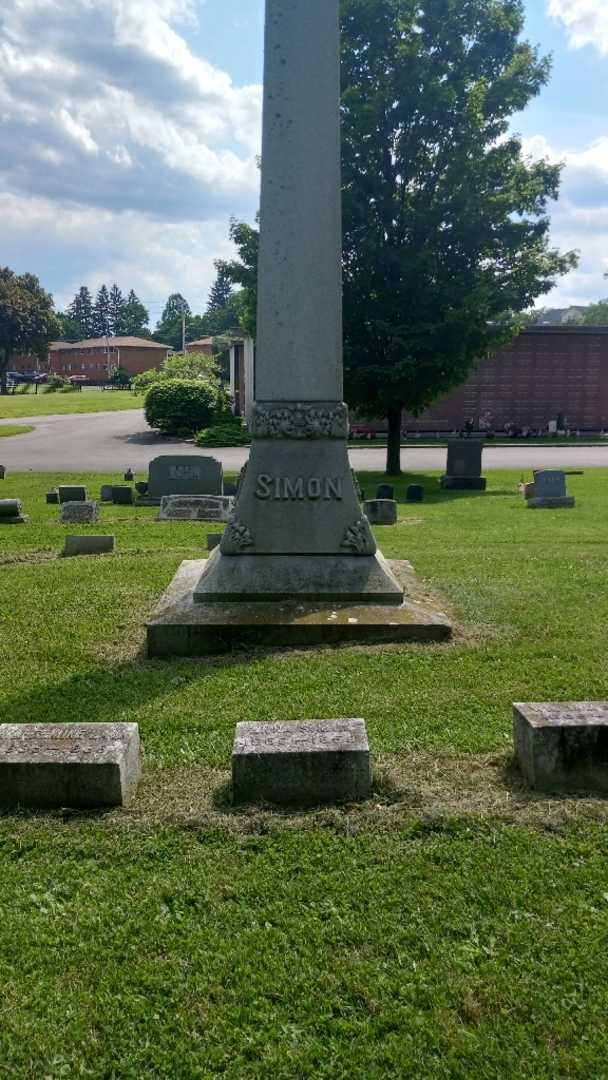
(454, 927)
(13, 406)
(8, 430)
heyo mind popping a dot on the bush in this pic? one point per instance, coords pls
(183, 406)
(180, 366)
(228, 431)
(55, 383)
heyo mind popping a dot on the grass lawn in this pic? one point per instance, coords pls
(81, 401)
(8, 430)
(454, 927)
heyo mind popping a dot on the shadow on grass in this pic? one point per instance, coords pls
(433, 493)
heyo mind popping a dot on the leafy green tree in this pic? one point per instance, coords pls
(116, 311)
(169, 328)
(70, 329)
(445, 222)
(102, 314)
(135, 317)
(189, 366)
(80, 314)
(595, 315)
(28, 322)
(243, 271)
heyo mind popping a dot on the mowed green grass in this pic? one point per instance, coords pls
(13, 406)
(458, 937)
(8, 430)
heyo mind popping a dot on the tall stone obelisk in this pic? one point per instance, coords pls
(298, 531)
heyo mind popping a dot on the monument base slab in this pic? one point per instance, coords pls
(464, 483)
(296, 578)
(181, 627)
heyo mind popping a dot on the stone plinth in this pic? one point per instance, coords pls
(84, 766)
(381, 511)
(72, 493)
(307, 763)
(88, 545)
(196, 507)
(78, 513)
(562, 746)
(565, 502)
(11, 512)
(181, 627)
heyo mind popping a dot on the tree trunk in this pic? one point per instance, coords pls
(4, 362)
(393, 450)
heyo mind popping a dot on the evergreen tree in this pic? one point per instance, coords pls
(135, 317)
(101, 314)
(117, 304)
(80, 314)
(221, 290)
(244, 272)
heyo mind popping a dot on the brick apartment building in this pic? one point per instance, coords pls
(97, 358)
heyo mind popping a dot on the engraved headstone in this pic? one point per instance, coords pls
(72, 493)
(52, 498)
(562, 746)
(550, 491)
(309, 763)
(297, 523)
(463, 470)
(78, 513)
(122, 495)
(184, 474)
(88, 545)
(11, 512)
(196, 507)
(381, 511)
(83, 766)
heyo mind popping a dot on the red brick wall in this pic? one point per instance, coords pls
(94, 363)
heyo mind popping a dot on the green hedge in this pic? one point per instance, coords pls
(184, 406)
(228, 431)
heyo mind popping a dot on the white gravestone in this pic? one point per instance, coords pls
(196, 507)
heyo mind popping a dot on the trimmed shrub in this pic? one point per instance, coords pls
(228, 431)
(55, 383)
(183, 406)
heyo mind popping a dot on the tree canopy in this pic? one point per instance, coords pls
(445, 222)
(27, 318)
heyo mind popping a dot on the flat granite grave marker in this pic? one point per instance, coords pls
(308, 763)
(72, 493)
(183, 474)
(562, 746)
(78, 513)
(196, 507)
(88, 545)
(550, 491)
(463, 471)
(83, 766)
(11, 512)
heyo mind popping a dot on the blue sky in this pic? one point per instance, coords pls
(129, 131)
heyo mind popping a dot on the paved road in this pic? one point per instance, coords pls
(115, 441)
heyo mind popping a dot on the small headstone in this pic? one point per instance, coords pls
(2, 472)
(88, 545)
(184, 474)
(78, 513)
(106, 493)
(214, 540)
(72, 493)
(381, 511)
(11, 512)
(550, 491)
(129, 477)
(463, 471)
(385, 491)
(52, 498)
(414, 493)
(562, 746)
(83, 766)
(196, 507)
(141, 487)
(306, 763)
(122, 496)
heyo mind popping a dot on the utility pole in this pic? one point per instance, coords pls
(183, 327)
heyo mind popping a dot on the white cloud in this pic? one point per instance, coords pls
(586, 21)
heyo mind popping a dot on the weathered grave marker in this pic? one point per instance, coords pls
(84, 766)
(464, 464)
(11, 512)
(550, 491)
(78, 513)
(414, 493)
(183, 474)
(52, 498)
(381, 511)
(122, 495)
(196, 507)
(72, 493)
(309, 763)
(562, 746)
(88, 545)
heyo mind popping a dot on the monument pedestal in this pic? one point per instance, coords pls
(182, 627)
